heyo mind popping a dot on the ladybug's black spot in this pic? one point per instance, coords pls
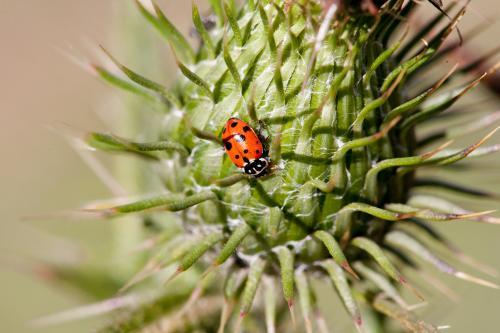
(228, 145)
(234, 124)
(257, 151)
(239, 138)
(237, 156)
(246, 129)
(246, 160)
(245, 151)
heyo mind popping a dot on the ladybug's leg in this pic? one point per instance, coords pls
(262, 132)
(265, 144)
(262, 127)
(262, 138)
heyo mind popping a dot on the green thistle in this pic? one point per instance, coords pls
(336, 92)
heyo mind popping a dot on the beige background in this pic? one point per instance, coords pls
(40, 88)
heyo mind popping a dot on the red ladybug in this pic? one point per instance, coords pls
(244, 147)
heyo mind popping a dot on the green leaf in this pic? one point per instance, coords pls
(218, 11)
(199, 250)
(90, 310)
(91, 283)
(111, 142)
(305, 159)
(144, 82)
(153, 309)
(435, 216)
(374, 250)
(125, 85)
(166, 202)
(270, 305)
(305, 298)
(413, 103)
(168, 31)
(375, 104)
(371, 188)
(411, 244)
(253, 280)
(383, 214)
(230, 180)
(108, 142)
(286, 259)
(454, 157)
(404, 317)
(461, 131)
(381, 59)
(274, 219)
(339, 280)
(204, 135)
(381, 282)
(237, 236)
(231, 65)
(363, 142)
(335, 250)
(193, 77)
(421, 33)
(425, 54)
(225, 315)
(441, 103)
(233, 23)
(339, 155)
(233, 284)
(167, 255)
(202, 31)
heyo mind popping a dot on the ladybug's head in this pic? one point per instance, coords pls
(257, 167)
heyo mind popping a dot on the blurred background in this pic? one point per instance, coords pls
(44, 91)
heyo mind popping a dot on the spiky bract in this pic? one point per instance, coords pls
(329, 86)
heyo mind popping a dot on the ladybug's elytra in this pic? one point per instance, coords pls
(244, 147)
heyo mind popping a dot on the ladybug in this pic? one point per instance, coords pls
(244, 147)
